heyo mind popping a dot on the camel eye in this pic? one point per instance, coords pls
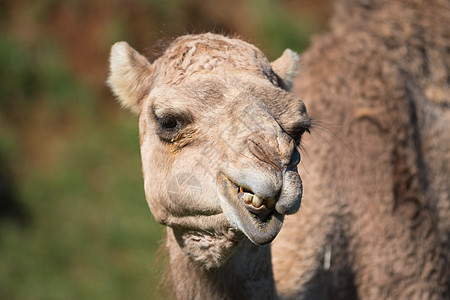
(168, 122)
(297, 132)
(169, 126)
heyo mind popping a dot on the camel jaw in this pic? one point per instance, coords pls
(259, 223)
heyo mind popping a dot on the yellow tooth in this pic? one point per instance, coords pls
(247, 198)
(257, 202)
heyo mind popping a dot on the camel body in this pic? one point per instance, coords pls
(375, 217)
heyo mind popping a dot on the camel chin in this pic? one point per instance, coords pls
(257, 217)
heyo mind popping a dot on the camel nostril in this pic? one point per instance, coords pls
(295, 158)
(263, 150)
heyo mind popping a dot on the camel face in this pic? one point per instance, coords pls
(219, 134)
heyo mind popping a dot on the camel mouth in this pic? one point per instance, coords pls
(256, 217)
(260, 208)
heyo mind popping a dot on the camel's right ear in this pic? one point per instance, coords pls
(129, 75)
(286, 67)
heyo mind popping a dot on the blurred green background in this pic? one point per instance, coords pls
(74, 223)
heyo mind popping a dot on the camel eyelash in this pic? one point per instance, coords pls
(297, 133)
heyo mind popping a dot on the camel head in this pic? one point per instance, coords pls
(219, 133)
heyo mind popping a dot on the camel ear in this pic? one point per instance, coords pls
(286, 67)
(129, 75)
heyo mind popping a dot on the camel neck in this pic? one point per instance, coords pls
(246, 274)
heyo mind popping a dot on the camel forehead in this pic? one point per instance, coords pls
(194, 55)
(197, 94)
(207, 93)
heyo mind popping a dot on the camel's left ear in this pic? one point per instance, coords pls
(129, 75)
(286, 67)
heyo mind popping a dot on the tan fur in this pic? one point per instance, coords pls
(129, 75)
(286, 67)
(234, 123)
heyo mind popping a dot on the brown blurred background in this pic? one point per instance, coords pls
(74, 223)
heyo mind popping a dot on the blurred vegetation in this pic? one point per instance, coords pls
(74, 223)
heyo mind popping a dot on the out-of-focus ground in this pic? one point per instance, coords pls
(74, 223)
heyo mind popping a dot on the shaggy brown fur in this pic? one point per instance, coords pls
(377, 190)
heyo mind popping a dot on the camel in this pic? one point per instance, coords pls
(375, 218)
(219, 136)
(221, 130)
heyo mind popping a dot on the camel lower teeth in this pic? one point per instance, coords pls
(247, 198)
(257, 202)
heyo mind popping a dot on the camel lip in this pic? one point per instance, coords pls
(259, 229)
(262, 214)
